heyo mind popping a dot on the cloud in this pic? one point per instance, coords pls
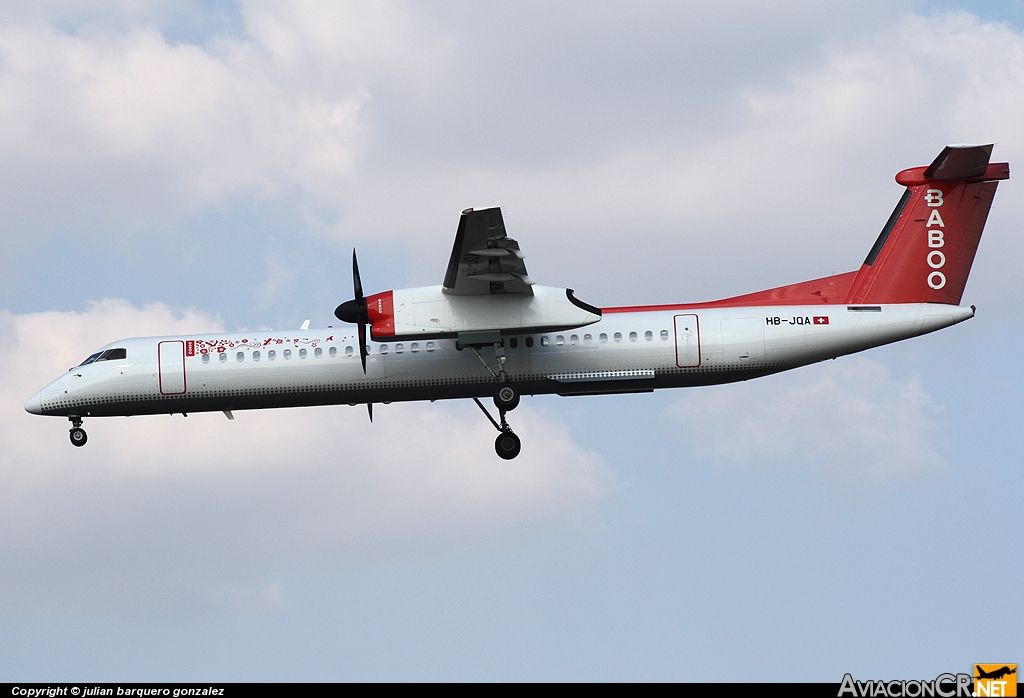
(850, 419)
(792, 181)
(191, 517)
(684, 130)
(118, 127)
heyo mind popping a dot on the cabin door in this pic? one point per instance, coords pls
(687, 341)
(171, 357)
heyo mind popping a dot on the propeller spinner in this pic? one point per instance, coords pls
(354, 311)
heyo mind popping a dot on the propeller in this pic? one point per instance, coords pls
(354, 311)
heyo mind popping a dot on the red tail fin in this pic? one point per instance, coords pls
(925, 251)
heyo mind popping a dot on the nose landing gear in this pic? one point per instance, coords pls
(77, 434)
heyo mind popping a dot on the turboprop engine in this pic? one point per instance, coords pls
(429, 312)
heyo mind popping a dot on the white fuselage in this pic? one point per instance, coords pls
(630, 351)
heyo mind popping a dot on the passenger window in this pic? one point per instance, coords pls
(544, 341)
(349, 351)
(287, 353)
(271, 354)
(618, 336)
(574, 340)
(588, 339)
(383, 348)
(223, 356)
(632, 336)
(529, 341)
(302, 353)
(240, 356)
(414, 347)
(603, 338)
(399, 348)
(514, 343)
(333, 351)
(318, 352)
(430, 346)
(206, 358)
(648, 335)
(255, 356)
(559, 340)
(664, 335)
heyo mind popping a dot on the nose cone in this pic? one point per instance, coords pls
(351, 311)
(34, 404)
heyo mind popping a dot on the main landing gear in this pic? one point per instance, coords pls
(77, 434)
(506, 399)
(507, 445)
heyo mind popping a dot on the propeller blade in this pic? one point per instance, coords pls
(357, 284)
(369, 410)
(354, 311)
(362, 346)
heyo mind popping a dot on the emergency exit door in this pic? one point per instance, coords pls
(171, 359)
(687, 341)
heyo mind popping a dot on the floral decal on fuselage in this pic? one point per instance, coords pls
(204, 346)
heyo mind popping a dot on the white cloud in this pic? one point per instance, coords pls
(120, 126)
(384, 119)
(192, 516)
(851, 419)
(794, 181)
(318, 40)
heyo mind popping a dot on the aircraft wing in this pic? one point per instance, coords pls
(484, 259)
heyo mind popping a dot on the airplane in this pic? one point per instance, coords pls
(490, 331)
(995, 674)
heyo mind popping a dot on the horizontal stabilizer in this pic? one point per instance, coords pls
(960, 162)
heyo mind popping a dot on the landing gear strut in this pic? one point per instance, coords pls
(506, 397)
(507, 445)
(77, 434)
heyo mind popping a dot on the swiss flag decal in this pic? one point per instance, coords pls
(821, 319)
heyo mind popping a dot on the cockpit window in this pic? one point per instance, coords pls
(91, 358)
(108, 355)
(113, 355)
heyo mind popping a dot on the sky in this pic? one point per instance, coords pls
(177, 167)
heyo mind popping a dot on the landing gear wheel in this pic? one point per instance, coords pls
(507, 397)
(507, 445)
(78, 436)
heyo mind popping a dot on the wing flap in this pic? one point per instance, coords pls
(484, 259)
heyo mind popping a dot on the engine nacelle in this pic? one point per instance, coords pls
(428, 313)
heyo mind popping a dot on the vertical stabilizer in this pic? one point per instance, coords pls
(926, 249)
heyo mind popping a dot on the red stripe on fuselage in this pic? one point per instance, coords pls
(824, 291)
